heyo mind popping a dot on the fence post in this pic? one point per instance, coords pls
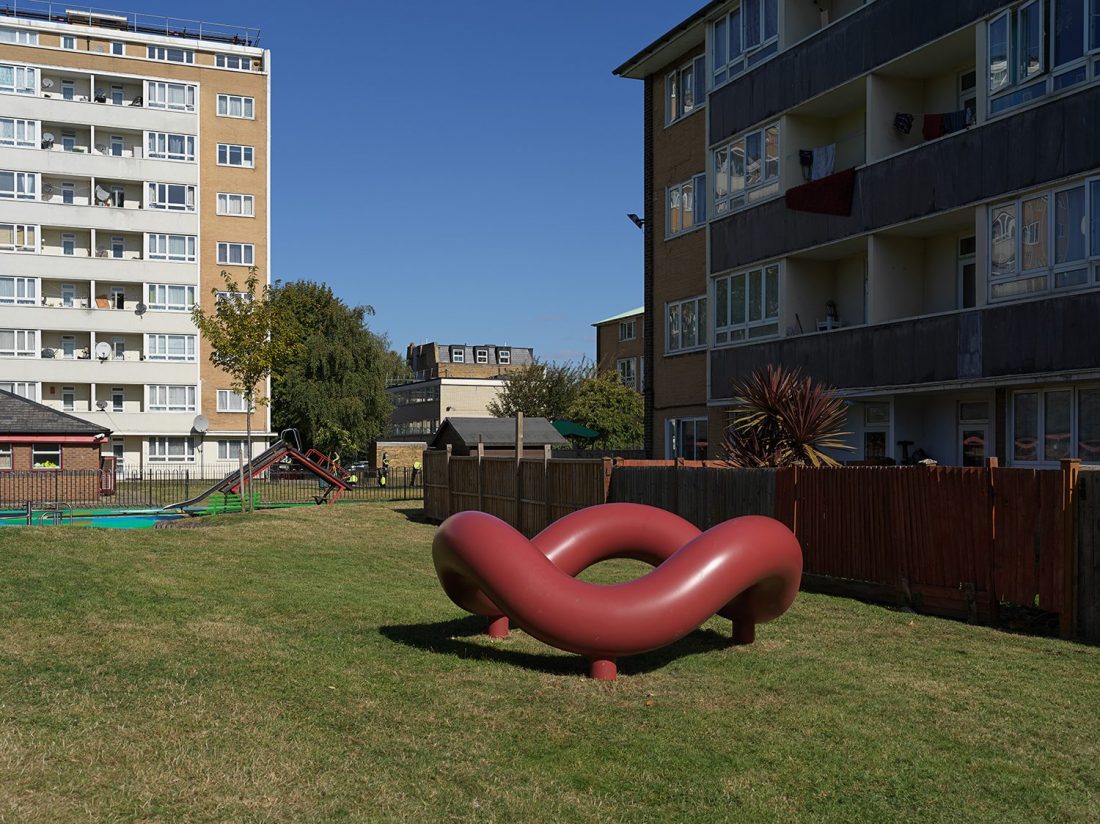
(546, 483)
(608, 465)
(480, 458)
(992, 464)
(1066, 622)
(447, 478)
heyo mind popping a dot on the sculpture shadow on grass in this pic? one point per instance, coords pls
(456, 638)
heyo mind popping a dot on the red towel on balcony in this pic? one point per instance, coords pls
(935, 125)
(831, 195)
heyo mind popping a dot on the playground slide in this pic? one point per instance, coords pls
(747, 570)
(273, 454)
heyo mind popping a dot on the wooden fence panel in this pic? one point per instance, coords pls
(533, 508)
(463, 480)
(1088, 556)
(435, 485)
(498, 488)
(1028, 543)
(573, 485)
(650, 485)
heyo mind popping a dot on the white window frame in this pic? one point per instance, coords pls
(170, 54)
(68, 42)
(159, 297)
(24, 290)
(158, 146)
(504, 357)
(20, 37)
(24, 186)
(116, 142)
(247, 155)
(230, 450)
(117, 48)
(732, 192)
(628, 373)
(1041, 459)
(24, 389)
(246, 204)
(748, 329)
(628, 330)
(68, 242)
(481, 356)
(674, 431)
(45, 452)
(24, 80)
(246, 105)
(225, 61)
(675, 347)
(690, 197)
(690, 77)
(158, 247)
(157, 348)
(118, 399)
(24, 238)
(24, 343)
(458, 354)
(171, 398)
(5, 457)
(244, 252)
(24, 132)
(737, 63)
(229, 400)
(68, 398)
(183, 97)
(157, 196)
(160, 450)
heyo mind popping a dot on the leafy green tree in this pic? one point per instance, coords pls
(540, 390)
(782, 418)
(331, 384)
(243, 332)
(601, 402)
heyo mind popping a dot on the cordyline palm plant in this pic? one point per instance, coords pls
(782, 418)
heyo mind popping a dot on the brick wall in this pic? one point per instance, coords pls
(78, 479)
(401, 453)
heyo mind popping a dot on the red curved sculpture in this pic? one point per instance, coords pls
(747, 569)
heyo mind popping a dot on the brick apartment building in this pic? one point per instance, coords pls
(901, 199)
(619, 346)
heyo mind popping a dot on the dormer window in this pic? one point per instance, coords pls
(481, 355)
(504, 357)
(458, 355)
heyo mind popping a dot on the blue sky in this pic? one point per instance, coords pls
(464, 167)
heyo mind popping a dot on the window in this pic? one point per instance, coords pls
(235, 205)
(687, 206)
(18, 343)
(118, 48)
(46, 456)
(68, 398)
(236, 253)
(18, 79)
(1042, 242)
(68, 90)
(170, 55)
(746, 169)
(172, 247)
(24, 389)
(686, 89)
(876, 428)
(5, 456)
(68, 347)
(18, 237)
(167, 146)
(627, 330)
(19, 290)
(18, 36)
(626, 371)
(68, 193)
(20, 133)
(744, 37)
(118, 145)
(68, 141)
(504, 357)
(166, 297)
(68, 294)
(686, 438)
(118, 399)
(230, 450)
(746, 305)
(68, 42)
(171, 450)
(172, 398)
(170, 347)
(174, 197)
(118, 246)
(231, 154)
(687, 325)
(458, 355)
(233, 61)
(117, 95)
(19, 185)
(230, 401)
(220, 296)
(1054, 423)
(176, 96)
(232, 105)
(68, 244)
(481, 355)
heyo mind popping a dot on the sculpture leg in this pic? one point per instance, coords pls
(744, 632)
(498, 627)
(603, 669)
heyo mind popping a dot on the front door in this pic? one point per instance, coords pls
(973, 443)
(118, 449)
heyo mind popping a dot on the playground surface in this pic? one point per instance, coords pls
(302, 664)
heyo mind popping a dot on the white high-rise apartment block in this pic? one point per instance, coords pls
(133, 170)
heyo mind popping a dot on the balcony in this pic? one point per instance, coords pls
(81, 112)
(1058, 334)
(96, 164)
(91, 370)
(102, 321)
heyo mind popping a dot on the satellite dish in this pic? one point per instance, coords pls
(47, 83)
(47, 140)
(141, 309)
(47, 189)
(100, 405)
(200, 424)
(101, 194)
(103, 350)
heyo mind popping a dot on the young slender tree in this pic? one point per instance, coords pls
(242, 333)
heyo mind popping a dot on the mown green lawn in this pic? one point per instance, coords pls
(304, 665)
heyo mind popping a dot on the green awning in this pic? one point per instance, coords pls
(569, 429)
